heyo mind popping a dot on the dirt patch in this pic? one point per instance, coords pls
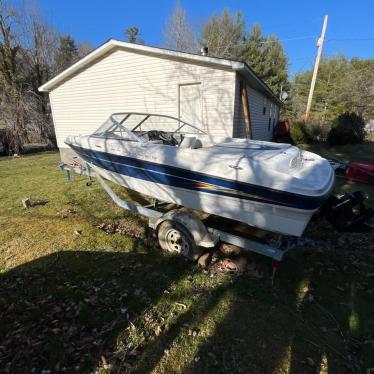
(230, 259)
(136, 231)
(66, 213)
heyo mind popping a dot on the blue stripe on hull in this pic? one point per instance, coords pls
(178, 177)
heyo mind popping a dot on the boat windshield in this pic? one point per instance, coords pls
(142, 127)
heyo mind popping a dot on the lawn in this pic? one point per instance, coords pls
(76, 299)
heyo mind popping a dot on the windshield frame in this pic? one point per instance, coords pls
(114, 124)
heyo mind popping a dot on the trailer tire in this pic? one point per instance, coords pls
(176, 238)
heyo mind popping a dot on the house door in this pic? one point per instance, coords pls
(190, 104)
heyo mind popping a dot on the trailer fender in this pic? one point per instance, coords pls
(194, 225)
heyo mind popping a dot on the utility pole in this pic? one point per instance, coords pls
(315, 71)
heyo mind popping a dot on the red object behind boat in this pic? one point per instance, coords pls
(282, 128)
(360, 172)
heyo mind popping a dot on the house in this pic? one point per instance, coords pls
(223, 97)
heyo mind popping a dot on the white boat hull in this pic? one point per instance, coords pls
(284, 220)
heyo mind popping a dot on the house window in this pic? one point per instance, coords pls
(270, 115)
(264, 107)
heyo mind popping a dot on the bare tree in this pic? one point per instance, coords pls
(39, 46)
(84, 49)
(8, 48)
(27, 50)
(11, 104)
(224, 34)
(179, 33)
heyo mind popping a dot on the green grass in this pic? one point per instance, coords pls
(105, 303)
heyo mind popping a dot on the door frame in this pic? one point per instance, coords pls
(190, 83)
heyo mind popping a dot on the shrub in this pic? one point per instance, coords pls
(318, 132)
(300, 134)
(348, 128)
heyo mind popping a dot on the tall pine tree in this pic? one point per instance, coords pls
(266, 56)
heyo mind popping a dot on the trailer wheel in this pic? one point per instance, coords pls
(175, 238)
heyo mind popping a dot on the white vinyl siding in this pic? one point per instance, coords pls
(259, 120)
(129, 81)
(240, 129)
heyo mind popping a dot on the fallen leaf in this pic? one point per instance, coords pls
(105, 363)
(157, 330)
(184, 306)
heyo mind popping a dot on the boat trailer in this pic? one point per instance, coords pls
(181, 232)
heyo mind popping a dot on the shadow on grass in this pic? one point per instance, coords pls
(263, 329)
(70, 309)
(66, 310)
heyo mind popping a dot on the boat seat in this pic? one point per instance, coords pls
(191, 142)
(197, 144)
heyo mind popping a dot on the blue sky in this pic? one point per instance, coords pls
(296, 23)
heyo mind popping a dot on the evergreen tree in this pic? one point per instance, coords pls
(266, 56)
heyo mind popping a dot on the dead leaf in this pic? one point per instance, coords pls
(132, 327)
(184, 306)
(167, 328)
(157, 330)
(105, 363)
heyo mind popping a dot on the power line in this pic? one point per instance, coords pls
(350, 40)
(290, 39)
(299, 38)
(275, 28)
(316, 36)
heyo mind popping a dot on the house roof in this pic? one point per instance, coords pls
(112, 44)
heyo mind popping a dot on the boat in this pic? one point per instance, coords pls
(272, 186)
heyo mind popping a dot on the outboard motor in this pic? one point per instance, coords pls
(348, 212)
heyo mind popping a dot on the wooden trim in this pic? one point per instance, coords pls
(246, 112)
